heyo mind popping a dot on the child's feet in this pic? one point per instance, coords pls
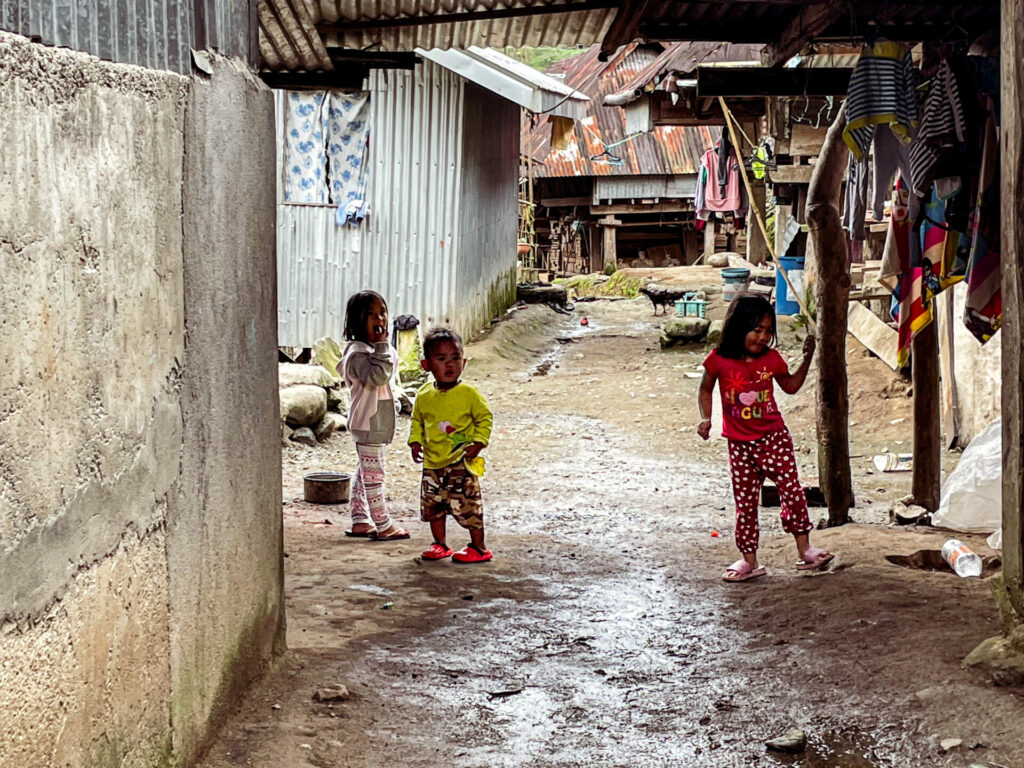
(813, 559)
(360, 530)
(390, 534)
(472, 554)
(437, 552)
(741, 570)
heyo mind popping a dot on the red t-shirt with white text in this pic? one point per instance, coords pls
(749, 411)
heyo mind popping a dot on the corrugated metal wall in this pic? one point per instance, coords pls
(406, 247)
(151, 33)
(490, 183)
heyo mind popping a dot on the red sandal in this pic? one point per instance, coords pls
(471, 554)
(436, 552)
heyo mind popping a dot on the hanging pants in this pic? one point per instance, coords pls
(367, 503)
(750, 463)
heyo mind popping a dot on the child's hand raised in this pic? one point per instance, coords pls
(809, 345)
(417, 452)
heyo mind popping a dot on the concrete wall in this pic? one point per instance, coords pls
(486, 276)
(113, 507)
(976, 366)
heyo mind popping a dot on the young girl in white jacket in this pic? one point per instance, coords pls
(368, 366)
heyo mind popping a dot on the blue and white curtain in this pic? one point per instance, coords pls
(327, 148)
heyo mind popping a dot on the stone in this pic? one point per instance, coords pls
(791, 742)
(338, 398)
(948, 744)
(715, 331)
(340, 421)
(304, 436)
(406, 398)
(1008, 671)
(327, 353)
(324, 428)
(718, 260)
(303, 405)
(291, 374)
(689, 328)
(332, 693)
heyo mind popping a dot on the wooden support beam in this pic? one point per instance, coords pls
(925, 485)
(624, 28)
(564, 202)
(343, 25)
(832, 291)
(1011, 586)
(812, 20)
(764, 81)
(609, 256)
(349, 78)
(790, 174)
(342, 57)
(674, 206)
(878, 337)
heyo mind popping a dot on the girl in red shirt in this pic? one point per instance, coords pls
(745, 364)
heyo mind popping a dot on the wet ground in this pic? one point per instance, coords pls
(601, 634)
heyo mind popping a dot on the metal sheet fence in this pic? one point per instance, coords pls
(406, 248)
(157, 34)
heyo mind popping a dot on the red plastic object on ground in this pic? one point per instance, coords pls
(584, 321)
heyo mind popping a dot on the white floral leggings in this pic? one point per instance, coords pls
(367, 503)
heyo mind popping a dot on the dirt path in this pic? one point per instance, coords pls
(601, 634)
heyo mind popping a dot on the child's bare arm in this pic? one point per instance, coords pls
(791, 383)
(707, 388)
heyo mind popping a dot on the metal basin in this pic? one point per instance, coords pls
(326, 487)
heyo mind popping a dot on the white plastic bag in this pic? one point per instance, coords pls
(972, 494)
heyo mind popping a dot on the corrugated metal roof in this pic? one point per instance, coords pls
(680, 60)
(290, 40)
(667, 150)
(512, 80)
(150, 33)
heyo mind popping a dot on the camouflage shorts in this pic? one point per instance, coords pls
(452, 490)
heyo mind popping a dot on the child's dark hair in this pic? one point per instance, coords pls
(745, 314)
(357, 311)
(437, 336)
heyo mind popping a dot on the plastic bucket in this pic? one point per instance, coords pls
(734, 282)
(785, 302)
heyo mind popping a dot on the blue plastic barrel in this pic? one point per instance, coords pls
(785, 302)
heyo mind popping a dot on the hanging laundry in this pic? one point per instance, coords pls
(348, 152)
(720, 195)
(305, 124)
(943, 128)
(881, 92)
(984, 311)
(561, 132)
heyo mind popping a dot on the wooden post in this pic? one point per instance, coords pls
(832, 292)
(709, 238)
(1011, 588)
(608, 225)
(925, 485)
(757, 250)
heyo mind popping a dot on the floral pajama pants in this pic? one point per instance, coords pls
(367, 503)
(750, 463)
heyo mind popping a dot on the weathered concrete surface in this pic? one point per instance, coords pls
(91, 324)
(224, 539)
(139, 502)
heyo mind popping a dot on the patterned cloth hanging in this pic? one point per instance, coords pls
(327, 145)
(348, 150)
(984, 312)
(305, 178)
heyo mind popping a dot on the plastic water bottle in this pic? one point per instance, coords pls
(961, 559)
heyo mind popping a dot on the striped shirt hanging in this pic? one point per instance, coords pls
(882, 92)
(942, 125)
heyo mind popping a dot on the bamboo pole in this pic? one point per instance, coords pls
(760, 218)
